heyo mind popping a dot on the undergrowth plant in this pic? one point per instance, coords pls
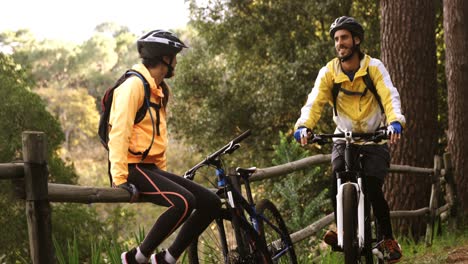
(103, 249)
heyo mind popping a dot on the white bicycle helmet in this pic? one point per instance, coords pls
(158, 43)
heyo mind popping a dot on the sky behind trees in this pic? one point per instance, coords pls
(75, 20)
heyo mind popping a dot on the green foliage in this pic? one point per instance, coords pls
(251, 65)
(301, 196)
(442, 105)
(101, 249)
(21, 110)
(95, 64)
(72, 252)
(24, 110)
(76, 111)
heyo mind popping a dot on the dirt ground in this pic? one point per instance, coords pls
(458, 255)
(449, 255)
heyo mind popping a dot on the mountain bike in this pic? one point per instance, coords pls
(245, 232)
(353, 209)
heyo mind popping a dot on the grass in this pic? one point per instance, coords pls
(437, 253)
(102, 251)
(416, 252)
(413, 252)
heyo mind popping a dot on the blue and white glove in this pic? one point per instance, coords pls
(394, 132)
(394, 128)
(302, 134)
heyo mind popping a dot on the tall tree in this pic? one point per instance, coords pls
(456, 68)
(408, 51)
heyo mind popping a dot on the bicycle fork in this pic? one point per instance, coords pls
(339, 211)
(349, 165)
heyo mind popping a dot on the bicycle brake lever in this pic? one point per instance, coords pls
(380, 136)
(318, 139)
(232, 149)
(189, 176)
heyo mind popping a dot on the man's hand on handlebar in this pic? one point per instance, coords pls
(302, 135)
(394, 132)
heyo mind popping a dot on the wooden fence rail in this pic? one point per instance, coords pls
(32, 177)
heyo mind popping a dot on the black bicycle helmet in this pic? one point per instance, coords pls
(347, 23)
(158, 43)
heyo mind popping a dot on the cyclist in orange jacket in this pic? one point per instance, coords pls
(190, 205)
(343, 83)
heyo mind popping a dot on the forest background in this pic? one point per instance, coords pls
(250, 65)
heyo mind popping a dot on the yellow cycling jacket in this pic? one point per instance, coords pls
(356, 113)
(124, 135)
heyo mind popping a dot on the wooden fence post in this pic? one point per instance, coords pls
(451, 190)
(433, 200)
(38, 212)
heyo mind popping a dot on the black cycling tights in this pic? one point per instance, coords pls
(182, 197)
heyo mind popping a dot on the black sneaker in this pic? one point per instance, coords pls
(129, 257)
(158, 258)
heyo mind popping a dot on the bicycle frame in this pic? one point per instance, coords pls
(352, 177)
(255, 216)
(237, 200)
(339, 197)
(237, 205)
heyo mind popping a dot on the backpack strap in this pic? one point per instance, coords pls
(369, 86)
(142, 112)
(335, 90)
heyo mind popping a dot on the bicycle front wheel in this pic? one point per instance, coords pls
(220, 243)
(215, 245)
(276, 235)
(350, 223)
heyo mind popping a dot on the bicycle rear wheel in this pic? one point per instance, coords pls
(350, 223)
(275, 233)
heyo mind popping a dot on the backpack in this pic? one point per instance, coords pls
(369, 86)
(106, 104)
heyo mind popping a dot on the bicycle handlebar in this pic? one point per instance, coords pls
(228, 149)
(376, 136)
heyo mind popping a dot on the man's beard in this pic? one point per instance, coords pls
(344, 58)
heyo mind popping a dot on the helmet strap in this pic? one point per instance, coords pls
(170, 69)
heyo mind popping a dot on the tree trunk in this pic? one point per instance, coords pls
(409, 52)
(456, 71)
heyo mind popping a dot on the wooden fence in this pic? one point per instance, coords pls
(31, 178)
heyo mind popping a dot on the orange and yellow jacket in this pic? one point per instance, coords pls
(356, 113)
(124, 135)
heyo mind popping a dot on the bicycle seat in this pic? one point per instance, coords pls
(246, 171)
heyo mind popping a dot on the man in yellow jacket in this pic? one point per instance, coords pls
(342, 83)
(144, 174)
